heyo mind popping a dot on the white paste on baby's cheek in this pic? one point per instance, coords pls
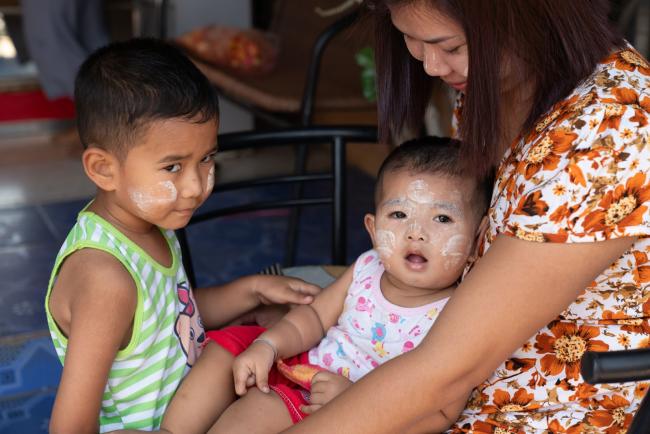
(418, 191)
(150, 197)
(455, 250)
(385, 243)
(210, 182)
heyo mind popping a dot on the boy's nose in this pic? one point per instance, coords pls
(192, 186)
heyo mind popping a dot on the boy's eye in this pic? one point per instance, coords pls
(209, 158)
(442, 219)
(397, 215)
(173, 168)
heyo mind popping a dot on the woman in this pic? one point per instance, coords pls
(560, 105)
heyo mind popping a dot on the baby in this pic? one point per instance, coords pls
(428, 216)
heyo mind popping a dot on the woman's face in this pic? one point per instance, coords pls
(434, 39)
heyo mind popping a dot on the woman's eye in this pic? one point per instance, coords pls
(455, 50)
(442, 219)
(173, 168)
(397, 215)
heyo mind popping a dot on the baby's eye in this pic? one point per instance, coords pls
(173, 168)
(397, 215)
(442, 219)
(209, 158)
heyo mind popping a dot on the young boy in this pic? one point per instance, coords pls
(123, 318)
(428, 217)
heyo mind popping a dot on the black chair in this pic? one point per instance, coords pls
(621, 367)
(336, 137)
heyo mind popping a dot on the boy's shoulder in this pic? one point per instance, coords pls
(92, 280)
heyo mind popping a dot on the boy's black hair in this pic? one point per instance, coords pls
(122, 87)
(434, 155)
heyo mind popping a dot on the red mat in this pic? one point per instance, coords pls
(33, 105)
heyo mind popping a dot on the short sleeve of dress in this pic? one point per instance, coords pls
(583, 174)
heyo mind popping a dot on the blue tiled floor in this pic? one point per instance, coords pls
(222, 250)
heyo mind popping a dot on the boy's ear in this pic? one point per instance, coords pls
(369, 222)
(101, 167)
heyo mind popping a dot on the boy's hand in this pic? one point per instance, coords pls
(325, 386)
(283, 290)
(251, 368)
(265, 316)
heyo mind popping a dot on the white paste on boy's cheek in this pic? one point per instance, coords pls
(385, 243)
(159, 194)
(210, 182)
(455, 250)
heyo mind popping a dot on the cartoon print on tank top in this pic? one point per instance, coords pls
(188, 327)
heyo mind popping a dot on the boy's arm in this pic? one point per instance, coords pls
(298, 331)
(100, 298)
(219, 305)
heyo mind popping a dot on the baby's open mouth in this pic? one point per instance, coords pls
(416, 258)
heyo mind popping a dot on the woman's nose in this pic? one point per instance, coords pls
(434, 62)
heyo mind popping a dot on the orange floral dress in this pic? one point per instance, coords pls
(581, 175)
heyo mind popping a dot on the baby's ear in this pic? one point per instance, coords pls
(369, 222)
(101, 167)
(478, 238)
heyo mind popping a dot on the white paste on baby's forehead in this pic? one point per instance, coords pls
(419, 192)
(210, 182)
(150, 197)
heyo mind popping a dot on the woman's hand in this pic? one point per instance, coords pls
(283, 290)
(251, 368)
(325, 386)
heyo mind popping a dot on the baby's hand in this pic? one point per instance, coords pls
(325, 386)
(251, 368)
(283, 290)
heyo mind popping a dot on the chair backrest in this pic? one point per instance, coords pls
(336, 137)
(621, 367)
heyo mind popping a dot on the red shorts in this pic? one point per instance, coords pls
(236, 339)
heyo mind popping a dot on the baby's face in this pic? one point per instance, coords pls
(424, 229)
(170, 173)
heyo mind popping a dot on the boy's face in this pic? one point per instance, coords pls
(169, 173)
(424, 229)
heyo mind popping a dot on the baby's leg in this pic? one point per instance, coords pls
(204, 394)
(254, 413)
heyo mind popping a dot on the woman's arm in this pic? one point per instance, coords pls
(512, 292)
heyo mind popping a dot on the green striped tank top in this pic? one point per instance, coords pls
(167, 330)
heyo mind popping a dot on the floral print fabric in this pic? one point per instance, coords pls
(581, 175)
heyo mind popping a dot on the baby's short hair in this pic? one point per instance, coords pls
(121, 88)
(434, 155)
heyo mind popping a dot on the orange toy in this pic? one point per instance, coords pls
(301, 374)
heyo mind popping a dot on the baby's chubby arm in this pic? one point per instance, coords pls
(299, 330)
(221, 304)
(93, 301)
